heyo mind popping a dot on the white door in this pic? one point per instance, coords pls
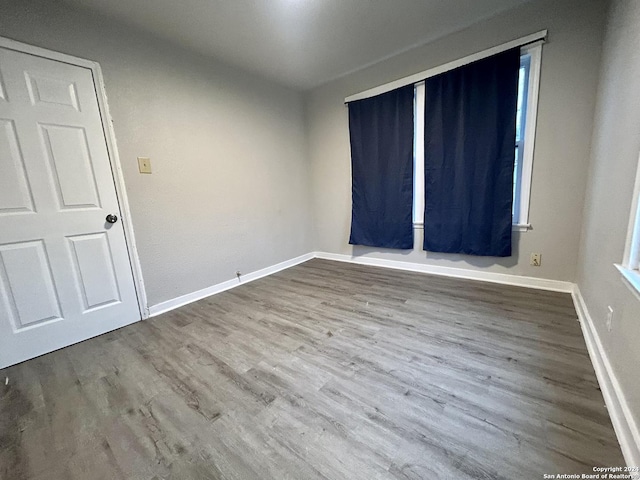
(65, 274)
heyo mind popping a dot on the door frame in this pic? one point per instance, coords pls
(112, 152)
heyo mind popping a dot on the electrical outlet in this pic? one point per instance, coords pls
(609, 318)
(536, 259)
(144, 165)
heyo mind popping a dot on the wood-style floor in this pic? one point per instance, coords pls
(323, 371)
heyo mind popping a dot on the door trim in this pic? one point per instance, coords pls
(112, 151)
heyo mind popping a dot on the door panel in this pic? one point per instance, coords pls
(29, 296)
(3, 96)
(71, 165)
(95, 272)
(15, 192)
(54, 91)
(65, 273)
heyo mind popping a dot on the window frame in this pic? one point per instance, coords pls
(521, 215)
(526, 154)
(630, 267)
(418, 155)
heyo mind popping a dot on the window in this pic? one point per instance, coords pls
(418, 154)
(528, 83)
(630, 267)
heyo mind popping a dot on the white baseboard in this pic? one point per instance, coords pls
(623, 422)
(221, 287)
(506, 279)
(483, 276)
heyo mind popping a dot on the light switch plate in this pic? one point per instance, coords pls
(144, 165)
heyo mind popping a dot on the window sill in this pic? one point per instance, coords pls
(515, 227)
(631, 279)
(520, 227)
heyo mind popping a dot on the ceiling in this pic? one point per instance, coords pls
(300, 43)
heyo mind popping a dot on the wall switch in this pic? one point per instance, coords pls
(144, 164)
(609, 318)
(536, 259)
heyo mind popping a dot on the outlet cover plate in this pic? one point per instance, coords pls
(536, 259)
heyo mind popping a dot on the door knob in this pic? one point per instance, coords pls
(111, 218)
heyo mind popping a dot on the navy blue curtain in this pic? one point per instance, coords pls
(469, 143)
(381, 132)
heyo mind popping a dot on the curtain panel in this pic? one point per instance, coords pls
(381, 135)
(469, 143)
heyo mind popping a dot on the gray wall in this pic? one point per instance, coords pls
(614, 161)
(230, 184)
(567, 97)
